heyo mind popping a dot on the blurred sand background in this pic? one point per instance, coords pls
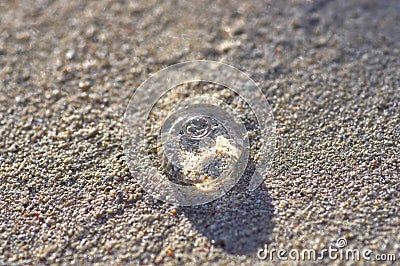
(330, 71)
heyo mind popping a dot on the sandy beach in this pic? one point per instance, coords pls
(329, 69)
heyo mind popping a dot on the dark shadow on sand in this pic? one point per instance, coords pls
(239, 222)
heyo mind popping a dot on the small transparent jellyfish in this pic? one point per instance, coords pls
(201, 144)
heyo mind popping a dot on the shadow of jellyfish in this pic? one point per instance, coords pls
(240, 222)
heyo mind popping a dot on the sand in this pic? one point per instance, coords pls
(330, 71)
